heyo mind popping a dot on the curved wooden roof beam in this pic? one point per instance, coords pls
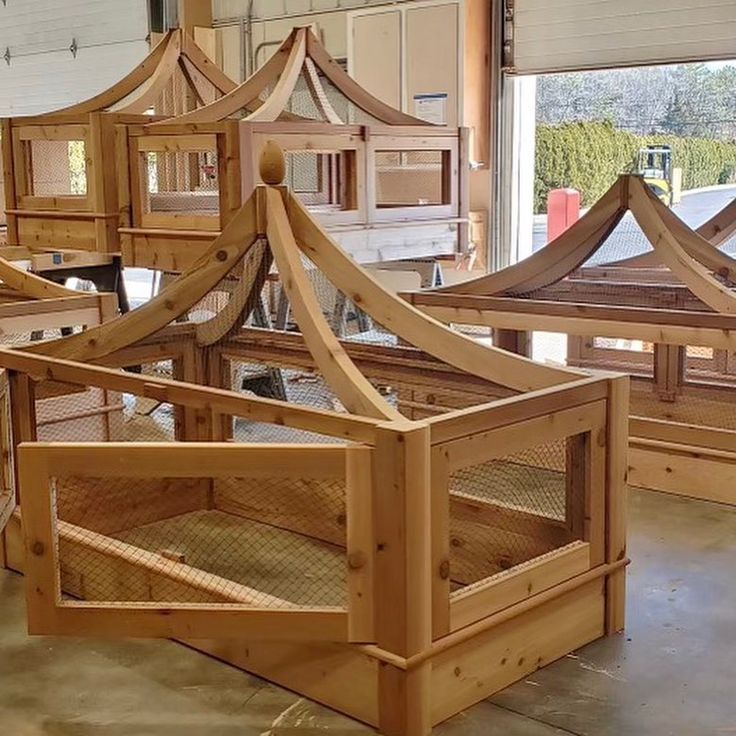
(128, 84)
(244, 94)
(693, 244)
(161, 77)
(205, 66)
(716, 231)
(691, 272)
(251, 276)
(721, 226)
(352, 90)
(319, 96)
(352, 388)
(277, 101)
(409, 323)
(176, 300)
(30, 285)
(557, 259)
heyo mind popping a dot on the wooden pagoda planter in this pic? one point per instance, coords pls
(371, 174)
(667, 317)
(66, 173)
(439, 520)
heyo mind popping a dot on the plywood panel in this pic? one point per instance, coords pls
(376, 57)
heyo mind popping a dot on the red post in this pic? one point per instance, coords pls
(563, 209)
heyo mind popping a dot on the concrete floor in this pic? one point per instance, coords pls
(673, 672)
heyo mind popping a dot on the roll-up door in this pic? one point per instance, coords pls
(564, 35)
(53, 54)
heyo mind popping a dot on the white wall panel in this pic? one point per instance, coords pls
(559, 35)
(43, 74)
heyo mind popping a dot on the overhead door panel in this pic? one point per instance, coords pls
(561, 35)
(58, 53)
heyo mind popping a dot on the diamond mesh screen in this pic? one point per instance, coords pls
(183, 183)
(58, 168)
(513, 509)
(273, 542)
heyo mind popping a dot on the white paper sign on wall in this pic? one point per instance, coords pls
(431, 107)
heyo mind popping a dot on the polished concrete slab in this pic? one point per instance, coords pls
(673, 672)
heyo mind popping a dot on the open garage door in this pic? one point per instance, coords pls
(567, 35)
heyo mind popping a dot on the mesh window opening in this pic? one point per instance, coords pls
(183, 182)
(324, 181)
(59, 168)
(526, 496)
(410, 178)
(272, 542)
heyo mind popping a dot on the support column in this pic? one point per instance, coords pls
(669, 370)
(403, 617)
(616, 500)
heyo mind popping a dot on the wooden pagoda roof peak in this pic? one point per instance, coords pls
(708, 272)
(265, 96)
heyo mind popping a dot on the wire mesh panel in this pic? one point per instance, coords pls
(697, 405)
(58, 167)
(326, 181)
(183, 182)
(517, 492)
(411, 178)
(68, 413)
(527, 496)
(254, 540)
(142, 527)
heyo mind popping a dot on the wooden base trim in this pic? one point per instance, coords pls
(336, 675)
(683, 470)
(520, 583)
(493, 659)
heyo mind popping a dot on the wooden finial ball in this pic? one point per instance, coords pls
(273, 164)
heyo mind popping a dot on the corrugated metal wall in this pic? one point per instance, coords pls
(561, 35)
(40, 73)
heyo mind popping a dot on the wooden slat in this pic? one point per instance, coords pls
(514, 649)
(194, 459)
(361, 545)
(616, 500)
(481, 418)
(519, 583)
(507, 440)
(173, 392)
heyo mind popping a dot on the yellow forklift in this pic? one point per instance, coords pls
(655, 166)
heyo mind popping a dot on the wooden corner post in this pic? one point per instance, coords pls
(616, 500)
(401, 488)
(103, 182)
